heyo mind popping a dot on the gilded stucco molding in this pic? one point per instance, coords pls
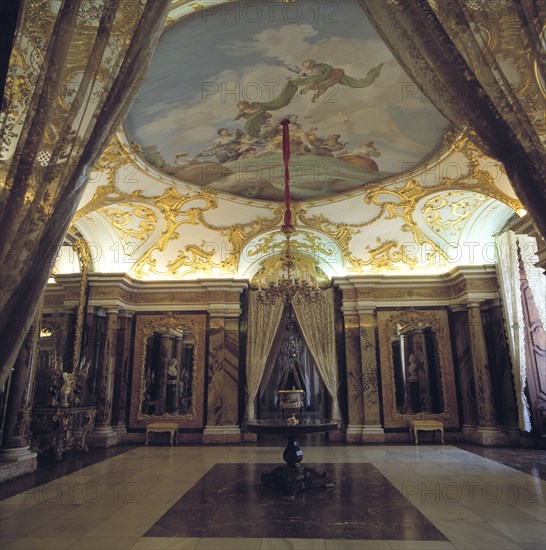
(393, 200)
(239, 234)
(81, 247)
(402, 202)
(176, 210)
(460, 206)
(384, 256)
(193, 328)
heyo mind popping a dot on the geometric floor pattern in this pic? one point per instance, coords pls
(228, 501)
(401, 497)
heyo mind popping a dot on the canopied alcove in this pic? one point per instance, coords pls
(291, 367)
(292, 344)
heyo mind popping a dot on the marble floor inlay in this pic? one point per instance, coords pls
(402, 497)
(229, 501)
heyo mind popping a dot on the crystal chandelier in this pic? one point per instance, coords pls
(289, 284)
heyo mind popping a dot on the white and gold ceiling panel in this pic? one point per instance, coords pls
(460, 225)
(176, 197)
(315, 254)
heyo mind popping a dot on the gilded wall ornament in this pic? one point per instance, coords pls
(460, 207)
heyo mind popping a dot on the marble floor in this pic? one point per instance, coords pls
(209, 497)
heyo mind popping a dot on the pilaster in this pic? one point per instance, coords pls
(372, 431)
(103, 435)
(354, 378)
(487, 432)
(223, 379)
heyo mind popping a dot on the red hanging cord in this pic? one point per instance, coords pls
(286, 158)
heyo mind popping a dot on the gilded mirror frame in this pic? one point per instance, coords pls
(146, 326)
(437, 320)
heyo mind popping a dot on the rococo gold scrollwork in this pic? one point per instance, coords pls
(176, 210)
(401, 202)
(121, 220)
(239, 234)
(461, 210)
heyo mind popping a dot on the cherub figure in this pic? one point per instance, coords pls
(321, 76)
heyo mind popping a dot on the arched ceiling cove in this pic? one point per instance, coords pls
(433, 203)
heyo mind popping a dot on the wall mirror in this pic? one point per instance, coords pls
(417, 373)
(417, 376)
(168, 367)
(168, 373)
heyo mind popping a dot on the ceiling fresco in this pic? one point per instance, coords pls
(222, 79)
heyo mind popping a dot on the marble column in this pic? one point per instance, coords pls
(16, 457)
(223, 380)
(501, 368)
(487, 432)
(354, 379)
(103, 435)
(121, 375)
(464, 367)
(372, 431)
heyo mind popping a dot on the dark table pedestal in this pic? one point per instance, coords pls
(294, 477)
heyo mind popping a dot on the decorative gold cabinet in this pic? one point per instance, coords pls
(60, 429)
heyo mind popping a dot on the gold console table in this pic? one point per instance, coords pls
(426, 425)
(162, 427)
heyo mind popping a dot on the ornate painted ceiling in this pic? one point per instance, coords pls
(191, 186)
(209, 110)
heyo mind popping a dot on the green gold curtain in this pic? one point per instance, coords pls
(264, 321)
(482, 63)
(316, 321)
(75, 66)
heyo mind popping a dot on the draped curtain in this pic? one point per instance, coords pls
(306, 375)
(272, 367)
(316, 321)
(482, 64)
(507, 265)
(74, 68)
(264, 321)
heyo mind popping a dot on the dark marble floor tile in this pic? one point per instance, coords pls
(529, 461)
(230, 502)
(49, 469)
